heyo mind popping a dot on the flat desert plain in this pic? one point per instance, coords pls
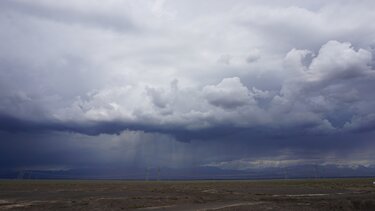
(314, 194)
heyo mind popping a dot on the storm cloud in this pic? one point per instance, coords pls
(285, 79)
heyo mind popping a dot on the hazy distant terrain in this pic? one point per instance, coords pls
(328, 194)
(197, 173)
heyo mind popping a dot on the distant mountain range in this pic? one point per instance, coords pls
(198, 173)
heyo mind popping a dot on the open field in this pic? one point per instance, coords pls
(322, 194)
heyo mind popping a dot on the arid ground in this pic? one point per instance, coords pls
(315, 194)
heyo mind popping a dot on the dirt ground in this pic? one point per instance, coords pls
(317, 194)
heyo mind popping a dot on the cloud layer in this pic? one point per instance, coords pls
(192, 71)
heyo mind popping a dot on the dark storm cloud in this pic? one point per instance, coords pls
(15, 125)
(44, 151)
(266, 77)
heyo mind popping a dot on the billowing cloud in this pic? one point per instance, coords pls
(229, 93)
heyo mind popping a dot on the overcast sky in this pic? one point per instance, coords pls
(232, 84)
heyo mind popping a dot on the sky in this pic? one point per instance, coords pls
(237, 85)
